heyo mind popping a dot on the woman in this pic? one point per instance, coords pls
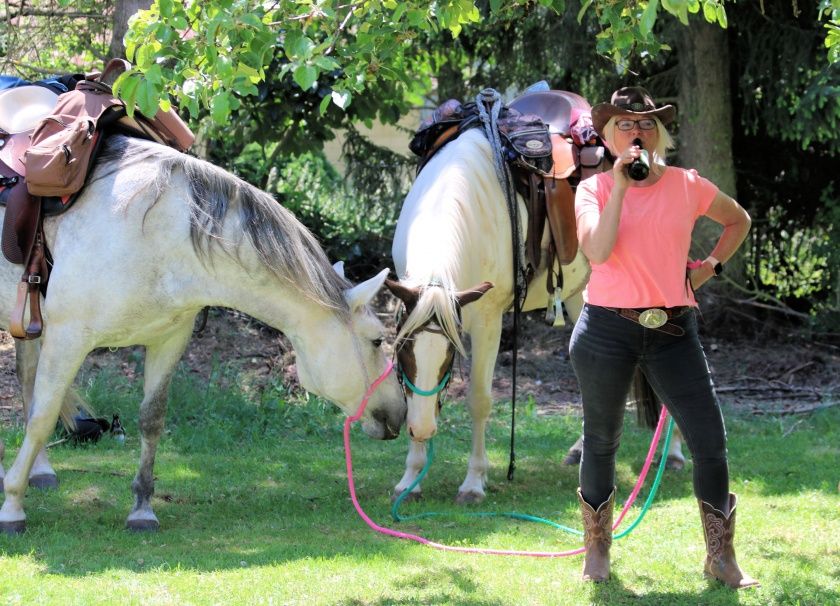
(640, 312)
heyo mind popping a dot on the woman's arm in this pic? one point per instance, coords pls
(597, 232)
(736, 224)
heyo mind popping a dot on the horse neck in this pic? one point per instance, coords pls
(455, 222)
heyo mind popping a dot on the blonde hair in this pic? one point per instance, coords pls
(663, 144)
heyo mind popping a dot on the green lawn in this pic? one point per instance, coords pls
(254, 507)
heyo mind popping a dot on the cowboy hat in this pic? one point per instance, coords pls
(630, 100)
(23, 107)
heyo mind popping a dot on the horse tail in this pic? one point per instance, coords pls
(648, 406)
(72, 405)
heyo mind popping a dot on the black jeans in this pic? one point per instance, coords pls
(605, 350)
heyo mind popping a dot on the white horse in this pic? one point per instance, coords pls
(42, 475)
(453, 254)
(155, 237)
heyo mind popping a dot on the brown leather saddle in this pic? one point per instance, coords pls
(23, 239)
(554, 145)
(577, 152)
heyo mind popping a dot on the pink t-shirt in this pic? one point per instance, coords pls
(647, 265)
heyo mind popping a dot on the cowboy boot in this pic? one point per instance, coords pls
(597, 538)
(719, 531)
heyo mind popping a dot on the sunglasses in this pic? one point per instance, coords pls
(644, 124)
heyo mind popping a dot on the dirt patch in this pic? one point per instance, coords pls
(788, 374)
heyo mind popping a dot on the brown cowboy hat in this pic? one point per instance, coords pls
(630, 100)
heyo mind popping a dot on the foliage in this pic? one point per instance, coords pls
(354, 218)
(212, 54)
(45, 37)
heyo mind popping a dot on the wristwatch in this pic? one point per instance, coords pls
(717, 266)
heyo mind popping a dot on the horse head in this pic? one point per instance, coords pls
(344, 379)
(427, 339)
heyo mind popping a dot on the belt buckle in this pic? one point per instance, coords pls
(653, 318)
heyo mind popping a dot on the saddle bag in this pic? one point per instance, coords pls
(63, 144)
(58, 164)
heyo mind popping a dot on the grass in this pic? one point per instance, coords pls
(252, 498)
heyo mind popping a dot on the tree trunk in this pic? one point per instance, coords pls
(705, 119)
(123, 10)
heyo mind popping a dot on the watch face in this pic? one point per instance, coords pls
(718, 268)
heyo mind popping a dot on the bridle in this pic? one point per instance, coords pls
(403, 378)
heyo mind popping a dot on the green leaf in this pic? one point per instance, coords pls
(325, 103)
(298, 46)
(127, 89)
(148, 98)
(709, 11)
(305, 76)
(341, 98)
(165, 8)
(649, 17)
(220, 107)
(721, 16)
(326, 63)
(583, 10)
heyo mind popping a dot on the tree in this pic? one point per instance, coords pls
(123, 11)
(213, 53)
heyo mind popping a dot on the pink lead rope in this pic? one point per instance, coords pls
(508, 552)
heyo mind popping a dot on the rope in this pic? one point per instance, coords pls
(413, 537)
(395, 515)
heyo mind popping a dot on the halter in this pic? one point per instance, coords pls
(403, 378)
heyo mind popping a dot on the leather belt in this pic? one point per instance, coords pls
(655, 318)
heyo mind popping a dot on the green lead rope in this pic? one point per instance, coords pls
(523, 516)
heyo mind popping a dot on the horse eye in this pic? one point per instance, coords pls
(377, 342)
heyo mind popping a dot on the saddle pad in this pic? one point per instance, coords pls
(11, 152)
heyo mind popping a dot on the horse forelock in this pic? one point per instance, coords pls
(284, 246)
(436, 303)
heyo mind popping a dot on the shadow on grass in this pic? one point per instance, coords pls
(290, 502)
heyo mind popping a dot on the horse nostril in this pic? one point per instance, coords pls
(410, 432)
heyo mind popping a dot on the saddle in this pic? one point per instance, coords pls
(550, 146)
(45, 163)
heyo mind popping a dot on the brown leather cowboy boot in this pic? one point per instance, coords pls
(597, 538)
(719, 531)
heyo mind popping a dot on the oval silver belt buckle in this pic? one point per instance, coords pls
(653, 318)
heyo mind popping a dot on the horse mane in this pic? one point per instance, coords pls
(458, 180)
(284, 246)
(436, 302)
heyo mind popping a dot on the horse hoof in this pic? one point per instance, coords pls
(469, 498)
(411, 497)
(674, 463)
(44, 481)
(572, 458)
(13, 528)
(142, 525)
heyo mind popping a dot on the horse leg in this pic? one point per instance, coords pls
(675, 459)
(57, 368)
(161, 359)
(485, 347)
(42, 474)
(575, 453)
(414, 463)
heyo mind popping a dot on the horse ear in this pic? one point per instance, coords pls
(404, 293)
(338, 266)
(361, 294)
(473, 294)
